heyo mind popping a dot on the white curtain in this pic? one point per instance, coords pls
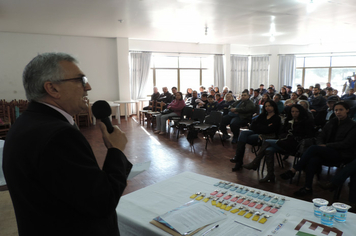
(140, 67)
(259, 71)
(286, 70)
(239, 73)
(219, 71)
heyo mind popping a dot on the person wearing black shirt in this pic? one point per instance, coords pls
(212, 105)
(262, 89)
(154, 97)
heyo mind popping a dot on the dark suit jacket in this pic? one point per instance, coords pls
(55, 183)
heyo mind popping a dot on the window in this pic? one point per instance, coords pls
(333, 69)
(182, 72)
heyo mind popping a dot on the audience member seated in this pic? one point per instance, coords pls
(265, 98)
(297, 126)
(289, 90)
(212, 105)
(250, 93)
(273, 88)
(293, 100)
(154, 97)
(284, 94)
(212, 93)
(310, 92)
(266, 125)
(225, 104)
(300, 92)
(165, 97)
(350, 96)
(216, 89)
(335, 93)
(224, 92)
(262, 89)
(322, 92)
(328, 85)
(175, 108)
(335, 145)
(238, 116)
(202, 102)
(305, 105)
(256, 98)
(174, 91)
(189, 94)
(218, 98)
(191, 102)
(277, 100)
(325, 115)
(329, 92)
(270, 92)
(201, 91)
(317, 102)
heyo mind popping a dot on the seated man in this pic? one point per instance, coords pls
(191, 102)
(317, 101)
(166, 97)
(202, 102)
(154, 97)
(238, 116)
(329, 92)
(350, 96)
(262, 89)
(212, 105)
(256, 99)
(270, 92)
(325, 115)
(280, 105)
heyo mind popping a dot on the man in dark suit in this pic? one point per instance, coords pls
(56, 185)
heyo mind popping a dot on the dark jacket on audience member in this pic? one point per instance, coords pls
(155, 96)
(293, 132)
(285, 96)
(245, 109)
(211, 107)
(224, 106)
(317, 103)
(348, 97)
(165, 97)
(262, 125)
(339, 136)
(191, 102)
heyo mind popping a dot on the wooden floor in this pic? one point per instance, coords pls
(170, 156)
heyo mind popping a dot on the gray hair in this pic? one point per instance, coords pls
(44, 67)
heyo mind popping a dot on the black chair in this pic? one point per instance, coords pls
(186, 114)
(196, 118)
(210, 126)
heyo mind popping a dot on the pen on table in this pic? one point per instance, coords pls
(206, 232)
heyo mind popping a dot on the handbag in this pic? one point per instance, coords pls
(166, 111)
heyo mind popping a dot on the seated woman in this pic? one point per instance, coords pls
(266, 125)
(297, 126)
(293, 100)
(225, 104)
(218, 98)
(265, 98)
(335, 145)
(176, 107)
(189, 94)
(284, 94)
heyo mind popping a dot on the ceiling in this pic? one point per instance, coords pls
(241, 22)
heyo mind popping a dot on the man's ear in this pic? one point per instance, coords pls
(52, 89)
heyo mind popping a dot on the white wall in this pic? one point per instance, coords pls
(97, 58)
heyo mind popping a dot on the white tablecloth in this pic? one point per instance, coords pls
(2, 178)
(137, 209)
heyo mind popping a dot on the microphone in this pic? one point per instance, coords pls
(102, 110)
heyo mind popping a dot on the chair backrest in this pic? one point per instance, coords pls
(214, 118)
(187, 112)
(158, 106)
(199, 114)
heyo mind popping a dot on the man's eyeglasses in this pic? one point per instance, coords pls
(83, 79)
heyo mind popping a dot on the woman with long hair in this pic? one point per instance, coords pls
(173, 109)
(265, 98)
(284, 94)
(266, 125)
(297, 126)
(335, 145)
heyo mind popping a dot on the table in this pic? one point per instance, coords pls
(126, 106)
(2, 178)
(115, 110)
(137, 209)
